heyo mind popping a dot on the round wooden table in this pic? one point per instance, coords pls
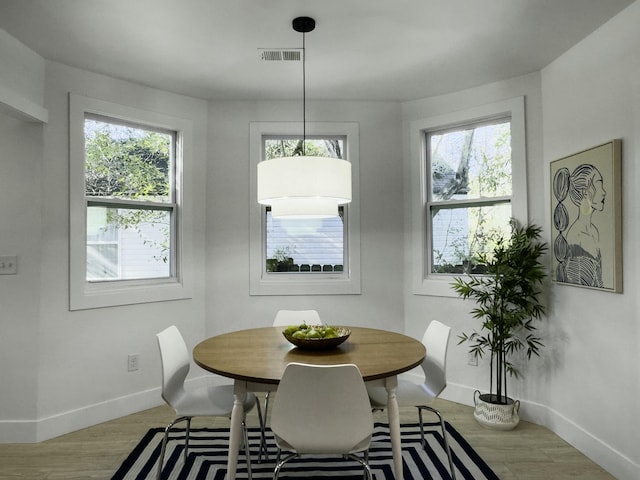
(256, 359)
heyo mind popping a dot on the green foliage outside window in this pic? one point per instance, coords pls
(470, 194)
(281, 147)
(126, 162)
(133, 166)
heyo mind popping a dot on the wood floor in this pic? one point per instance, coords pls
(529, 452)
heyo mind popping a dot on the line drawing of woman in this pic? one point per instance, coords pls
(578, 249)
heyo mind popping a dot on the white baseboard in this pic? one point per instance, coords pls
(614, 462)
(30, 431)
(18, 431)
(33, 431)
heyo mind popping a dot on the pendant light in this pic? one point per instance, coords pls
(304, 186)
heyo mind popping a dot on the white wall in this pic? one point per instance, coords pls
(21, 80)
(21, 141)
(380, 304)
(591, 95)
(72, 368)
(62, 370)
(419, 309)
(586, 385)
(83, 354)
(20, 221)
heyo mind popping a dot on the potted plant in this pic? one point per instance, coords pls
(508, 303)
(281, 260)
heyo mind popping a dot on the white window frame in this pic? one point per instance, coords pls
(424, 282)
(263, 283)
(86, 295)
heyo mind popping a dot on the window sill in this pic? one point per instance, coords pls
(313, 284)
(436, 286)
(117, 293)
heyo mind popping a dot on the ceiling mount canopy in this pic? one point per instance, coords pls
(304, 186)
(303, 24)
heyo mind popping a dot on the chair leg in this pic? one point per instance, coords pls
(263, 433)
(263, 426)
(266, 404)
(166, 438)
(367, 467)
(364, 462)
(247, 450)
(423, 442)
(444, 436)
(280, 463)
(186, 439)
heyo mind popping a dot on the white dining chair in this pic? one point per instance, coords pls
(422, 395)
(216, 401)
(284, 318)
(322, 409)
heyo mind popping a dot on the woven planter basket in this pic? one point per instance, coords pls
(495, 416)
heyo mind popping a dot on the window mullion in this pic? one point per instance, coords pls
(469, 203)
(134, 204)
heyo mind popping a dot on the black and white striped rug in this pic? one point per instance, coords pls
(208, 457)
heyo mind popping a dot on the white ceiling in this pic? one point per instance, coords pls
(360, 49)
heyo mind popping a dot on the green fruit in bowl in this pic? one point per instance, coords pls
(330, 332)
(313, 333)
(290, 330)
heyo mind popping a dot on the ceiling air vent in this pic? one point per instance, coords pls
(280, 54)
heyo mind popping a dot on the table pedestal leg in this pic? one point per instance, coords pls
(391, 383)
(235, 433)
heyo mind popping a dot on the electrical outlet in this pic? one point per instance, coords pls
(8, 264)
(472, 360)
(133, 362)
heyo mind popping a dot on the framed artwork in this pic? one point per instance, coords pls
(586, 212)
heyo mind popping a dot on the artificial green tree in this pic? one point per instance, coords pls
(508, 303)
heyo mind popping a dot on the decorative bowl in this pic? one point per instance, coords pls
(320, 343)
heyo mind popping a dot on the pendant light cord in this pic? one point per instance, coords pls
(304, 95)
(304, 25)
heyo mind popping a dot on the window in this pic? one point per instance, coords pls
(469, 192)
(127, 233)
(471, 184)
(130, 198)
(304, 256)
(304, 246)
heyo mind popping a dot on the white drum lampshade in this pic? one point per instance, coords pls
(304, 186)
